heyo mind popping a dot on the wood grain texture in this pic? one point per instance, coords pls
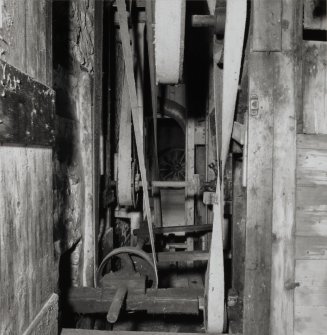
(259, 195)
(45, 321)
(310, 320)
(315, 16)
(283, 209)
(311, 211)
(311, 167)
(315, 87)
(310, 297)
(26, 235)
(267, 29)
(292, 25)
(311, 236)
(306, 141)
(26, 219)
(311, 247)
(27, 37)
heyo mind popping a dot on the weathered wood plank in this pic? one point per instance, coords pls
(45, 321)
(283, 209)
(25, 246)
(26, 242)
(259, 194)
(310, 305)
(38, 15)
(306, 141)
(311, 247)
(314, 323)
(99, 332)
(160, 301)
(315, 16)
(315, 87)
(311, 211)
(267, 28)
(311, 167)
(311, 296)
(292, 25)
(26, 109)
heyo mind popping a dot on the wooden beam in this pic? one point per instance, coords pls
(314, 87)
(259, 194)
(283, 207)
(180, 229)
(66, 331)
(267, 28)
(182, 256)
(88, 300)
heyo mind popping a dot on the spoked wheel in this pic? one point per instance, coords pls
(128, 261)
(172, 164)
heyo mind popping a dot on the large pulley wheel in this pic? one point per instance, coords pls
(169, 40)
(128, 260)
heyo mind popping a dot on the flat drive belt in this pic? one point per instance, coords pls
(129, 71)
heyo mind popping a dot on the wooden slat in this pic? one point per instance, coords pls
(283, 217)
(315, 323)
(315, 16)
(182, 256)
(315, 87)
(311, 247)
(259, 195)
(311, 275)
(292, 25)
(317, 142)
(311, 211)
(267, 29)
(26, 235)
(311, 167)
(310, 297)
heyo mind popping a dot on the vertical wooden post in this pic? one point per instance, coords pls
(97, 127)
(259, 194)
(284, 167)
(273, 92)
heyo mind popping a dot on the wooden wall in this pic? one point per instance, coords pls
(310, 307)
(26, 244)
(311, 235)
